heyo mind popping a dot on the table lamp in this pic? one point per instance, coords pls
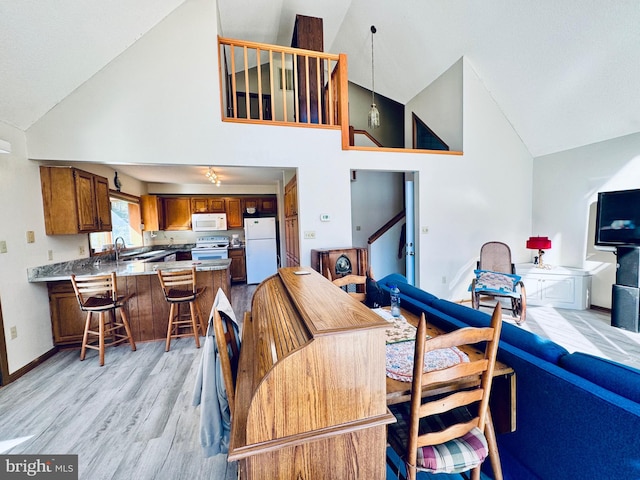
(540, 244)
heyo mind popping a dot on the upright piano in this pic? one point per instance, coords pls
(311, 388)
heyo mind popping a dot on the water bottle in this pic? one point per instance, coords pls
(395, 301)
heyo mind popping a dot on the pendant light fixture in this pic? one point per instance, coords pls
(213, 177)
(373, 116)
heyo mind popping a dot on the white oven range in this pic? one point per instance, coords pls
(211, 248)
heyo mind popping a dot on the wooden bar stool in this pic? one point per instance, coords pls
(99, 294)
(179, 287)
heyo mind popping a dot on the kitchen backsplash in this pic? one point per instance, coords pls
(179, 237)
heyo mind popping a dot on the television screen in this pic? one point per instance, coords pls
(618, 218)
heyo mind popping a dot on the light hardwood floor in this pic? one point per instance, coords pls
(131, 419)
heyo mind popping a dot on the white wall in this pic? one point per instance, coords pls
(565, 188)
(440, 107)
(158, 103)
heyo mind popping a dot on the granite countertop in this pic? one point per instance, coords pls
(95, 266)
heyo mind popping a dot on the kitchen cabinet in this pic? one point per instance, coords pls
(67, 320)
(238, 265)
(207, 205)
(74, 201)
(560, 287)
(262, 205)
(177, 213)
(234, 213)
(151, 212)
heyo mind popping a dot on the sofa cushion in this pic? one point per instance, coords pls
(615, 377)
(542, 348)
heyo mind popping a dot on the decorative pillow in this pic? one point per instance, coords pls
(499, 283)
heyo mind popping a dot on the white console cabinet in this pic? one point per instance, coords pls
(561, 287)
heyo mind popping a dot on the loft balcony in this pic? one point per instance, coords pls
(276, 85)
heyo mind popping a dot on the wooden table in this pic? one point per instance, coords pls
(502, 400)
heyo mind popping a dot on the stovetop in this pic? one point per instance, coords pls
(212, 241)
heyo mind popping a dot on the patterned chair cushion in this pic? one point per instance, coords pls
(454, 456)
(497, 283)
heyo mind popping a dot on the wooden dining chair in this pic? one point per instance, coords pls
(354, 285)
(99, 294)
(227, 344)
(179, 288)
(446, 434)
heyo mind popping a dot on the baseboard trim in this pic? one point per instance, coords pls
(600, 309)
(31, 365)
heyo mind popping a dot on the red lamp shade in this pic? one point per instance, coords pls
(539, 243)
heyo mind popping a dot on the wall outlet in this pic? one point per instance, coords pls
(50, 254)
(424, 230)
(3, 246)
(31, 236)
(13, 332)
(81, 250)
(310, 234)
(325, 217)
(444, 279)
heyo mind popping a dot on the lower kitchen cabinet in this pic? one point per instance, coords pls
(560, 287)
(238, 265)
(67, 320)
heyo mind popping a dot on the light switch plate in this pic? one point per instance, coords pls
(3, 246)
(31, 236)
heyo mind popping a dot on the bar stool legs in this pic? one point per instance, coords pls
(179, 288)
(98, 294)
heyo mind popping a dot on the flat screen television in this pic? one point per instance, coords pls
(618, 218)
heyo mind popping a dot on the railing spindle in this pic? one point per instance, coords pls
(234, 87)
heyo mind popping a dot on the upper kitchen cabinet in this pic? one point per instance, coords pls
(74, 201)
(177, 213)
(207, 205)
(261, 205)
(151, 211)
(234, 213)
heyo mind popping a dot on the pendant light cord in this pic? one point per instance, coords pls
(373, 83)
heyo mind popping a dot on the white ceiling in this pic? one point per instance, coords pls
(565, 73)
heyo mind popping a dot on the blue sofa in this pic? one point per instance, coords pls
(577, 415)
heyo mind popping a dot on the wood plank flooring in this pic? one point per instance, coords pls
(131, 419)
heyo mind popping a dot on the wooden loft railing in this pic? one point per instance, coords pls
(270, 84)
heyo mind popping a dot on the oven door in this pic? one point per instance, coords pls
(209, 253)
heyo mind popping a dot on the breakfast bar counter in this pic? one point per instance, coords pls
(148, 311)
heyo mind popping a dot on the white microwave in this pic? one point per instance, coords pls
(208, 222)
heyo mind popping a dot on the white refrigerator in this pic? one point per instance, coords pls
(260, 247)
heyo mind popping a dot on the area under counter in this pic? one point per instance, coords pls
(148, 311)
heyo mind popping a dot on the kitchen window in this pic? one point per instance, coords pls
(126, 220)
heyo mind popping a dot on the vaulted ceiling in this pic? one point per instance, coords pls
(565, 73)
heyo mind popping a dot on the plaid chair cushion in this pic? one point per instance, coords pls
(456, 456)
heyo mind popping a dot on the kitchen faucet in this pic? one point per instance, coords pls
(118, 247)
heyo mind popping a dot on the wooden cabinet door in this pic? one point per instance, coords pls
(177, 213)
(238, 265)
(67, 320)
(199, 205)
(103, 203)
(85, 202)
(151, 212)
(217, 205)
(234, 213)
(268, 205)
